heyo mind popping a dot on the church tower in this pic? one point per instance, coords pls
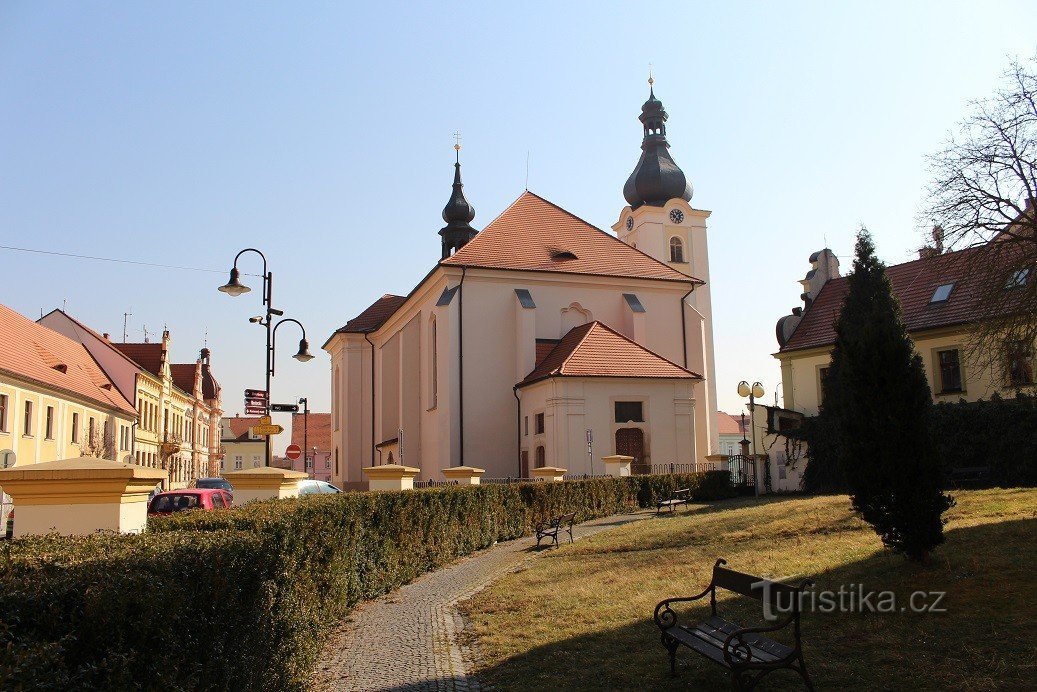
(660, 221)
(458, 214)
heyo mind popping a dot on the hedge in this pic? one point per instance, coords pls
(997, 433)
(241, 599)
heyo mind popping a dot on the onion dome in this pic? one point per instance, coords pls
(458, 214)
(656, 179)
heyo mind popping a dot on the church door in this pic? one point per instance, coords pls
(541, 460)
(631, 442)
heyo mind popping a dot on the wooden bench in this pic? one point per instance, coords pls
(970, 475)
(681, 496)
(551, 529)
(743, 650)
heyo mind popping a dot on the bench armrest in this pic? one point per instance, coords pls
(737, 650)
(665, 617)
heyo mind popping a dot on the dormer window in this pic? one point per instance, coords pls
(942, 293)
(562, 255)
(1018, 278)
(61, 367)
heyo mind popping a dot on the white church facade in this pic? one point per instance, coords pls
(540, 340)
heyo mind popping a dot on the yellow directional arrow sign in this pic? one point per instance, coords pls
(267, 429)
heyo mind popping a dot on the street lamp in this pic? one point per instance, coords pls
(235, 288)
(754, 392)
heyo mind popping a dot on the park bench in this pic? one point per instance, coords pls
(743, 650)
(550, 529)
(681, 496)
(970, 475)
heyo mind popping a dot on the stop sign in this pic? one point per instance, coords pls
(293, 452)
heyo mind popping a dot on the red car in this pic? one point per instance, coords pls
(190, 498)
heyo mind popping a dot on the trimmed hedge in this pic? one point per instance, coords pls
(240, 599)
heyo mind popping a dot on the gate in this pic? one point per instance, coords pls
(743, 473)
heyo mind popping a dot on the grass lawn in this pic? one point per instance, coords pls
(581, 616)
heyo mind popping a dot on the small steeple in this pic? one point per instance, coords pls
(457, 213)
(656, 179)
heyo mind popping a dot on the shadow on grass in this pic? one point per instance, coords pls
(984, 640)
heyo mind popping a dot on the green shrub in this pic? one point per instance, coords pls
(241, 599)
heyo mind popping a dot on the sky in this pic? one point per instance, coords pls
(179, 133)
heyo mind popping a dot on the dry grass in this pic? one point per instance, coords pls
(581, 617)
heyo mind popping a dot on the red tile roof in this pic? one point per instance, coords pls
(375, 315)
(147, 356)
(239, 426)
(728, 424)
(596, 350)
(319, 429)
(183, 376)
(543, 349)
(532, 234)
(913, 284)
(35, 353)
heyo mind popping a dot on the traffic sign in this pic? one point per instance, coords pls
(284, 408)
(255, 410)
(293, 452)
(266, 429)
(256, 394)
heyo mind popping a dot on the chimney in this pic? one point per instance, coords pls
(105, 335)
(938, 239)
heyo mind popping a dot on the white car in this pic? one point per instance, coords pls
(312, 487)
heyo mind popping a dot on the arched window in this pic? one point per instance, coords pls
(676, 249)
(541, 458)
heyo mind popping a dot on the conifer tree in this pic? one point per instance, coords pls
(878, 407)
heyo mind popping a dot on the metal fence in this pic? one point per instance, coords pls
(433, 484)
(509, 481)
(645, 469)
(583, 476)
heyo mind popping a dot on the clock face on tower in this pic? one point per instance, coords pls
(676, 215)
(630, 223)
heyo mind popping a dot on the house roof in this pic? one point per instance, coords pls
(913, 284)
(375, 315)
(729, 424)
(147, 355)
(35, 353)
(596, 350)
(319, 425)
(183, 375)
(535, 235)
(239, 426)
(543, 349)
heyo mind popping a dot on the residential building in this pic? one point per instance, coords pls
(541, 340)
(56, 402)
(178, 405)
(938, 300)
(731, 432)
(314, 438)
(242, 449)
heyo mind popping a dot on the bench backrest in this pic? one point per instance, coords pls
(774, 592)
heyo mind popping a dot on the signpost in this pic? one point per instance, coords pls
(590, 450)
(284, 408)
(293, 452)
(266, 429)
(256, 402)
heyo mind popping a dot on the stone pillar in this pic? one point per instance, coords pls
(617, 465)
(79, 496)
(464, 475)
(264, 483)
(549, 473)
(391, 477)
(714, 462)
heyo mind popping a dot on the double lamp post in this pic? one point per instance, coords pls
(234, 288)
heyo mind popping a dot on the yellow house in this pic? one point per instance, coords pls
(55, 401)
(242, 449)
(937, 295)
(178, 404)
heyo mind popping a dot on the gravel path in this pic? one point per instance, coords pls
(409, 639)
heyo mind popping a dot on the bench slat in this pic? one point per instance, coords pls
(708, 639)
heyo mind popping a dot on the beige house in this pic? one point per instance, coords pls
(242, 449)
(178, 405)
(540, 341)
(937, 298)
(55, 401)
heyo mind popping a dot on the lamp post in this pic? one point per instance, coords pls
(754, 392)
(235, 288)
(306, 432)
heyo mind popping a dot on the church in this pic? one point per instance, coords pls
(540, 340)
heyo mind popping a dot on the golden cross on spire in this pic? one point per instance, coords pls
(457, 140)
(651, 81)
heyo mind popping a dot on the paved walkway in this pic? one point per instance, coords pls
(408, 639)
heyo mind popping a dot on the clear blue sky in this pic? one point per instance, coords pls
(182, 132)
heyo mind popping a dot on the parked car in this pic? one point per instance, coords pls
(312, 487)
(218, 483)
(191, 498)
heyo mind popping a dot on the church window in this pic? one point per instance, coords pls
(538, 424)
(630, 412)
(676, 249)
(541, 458)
